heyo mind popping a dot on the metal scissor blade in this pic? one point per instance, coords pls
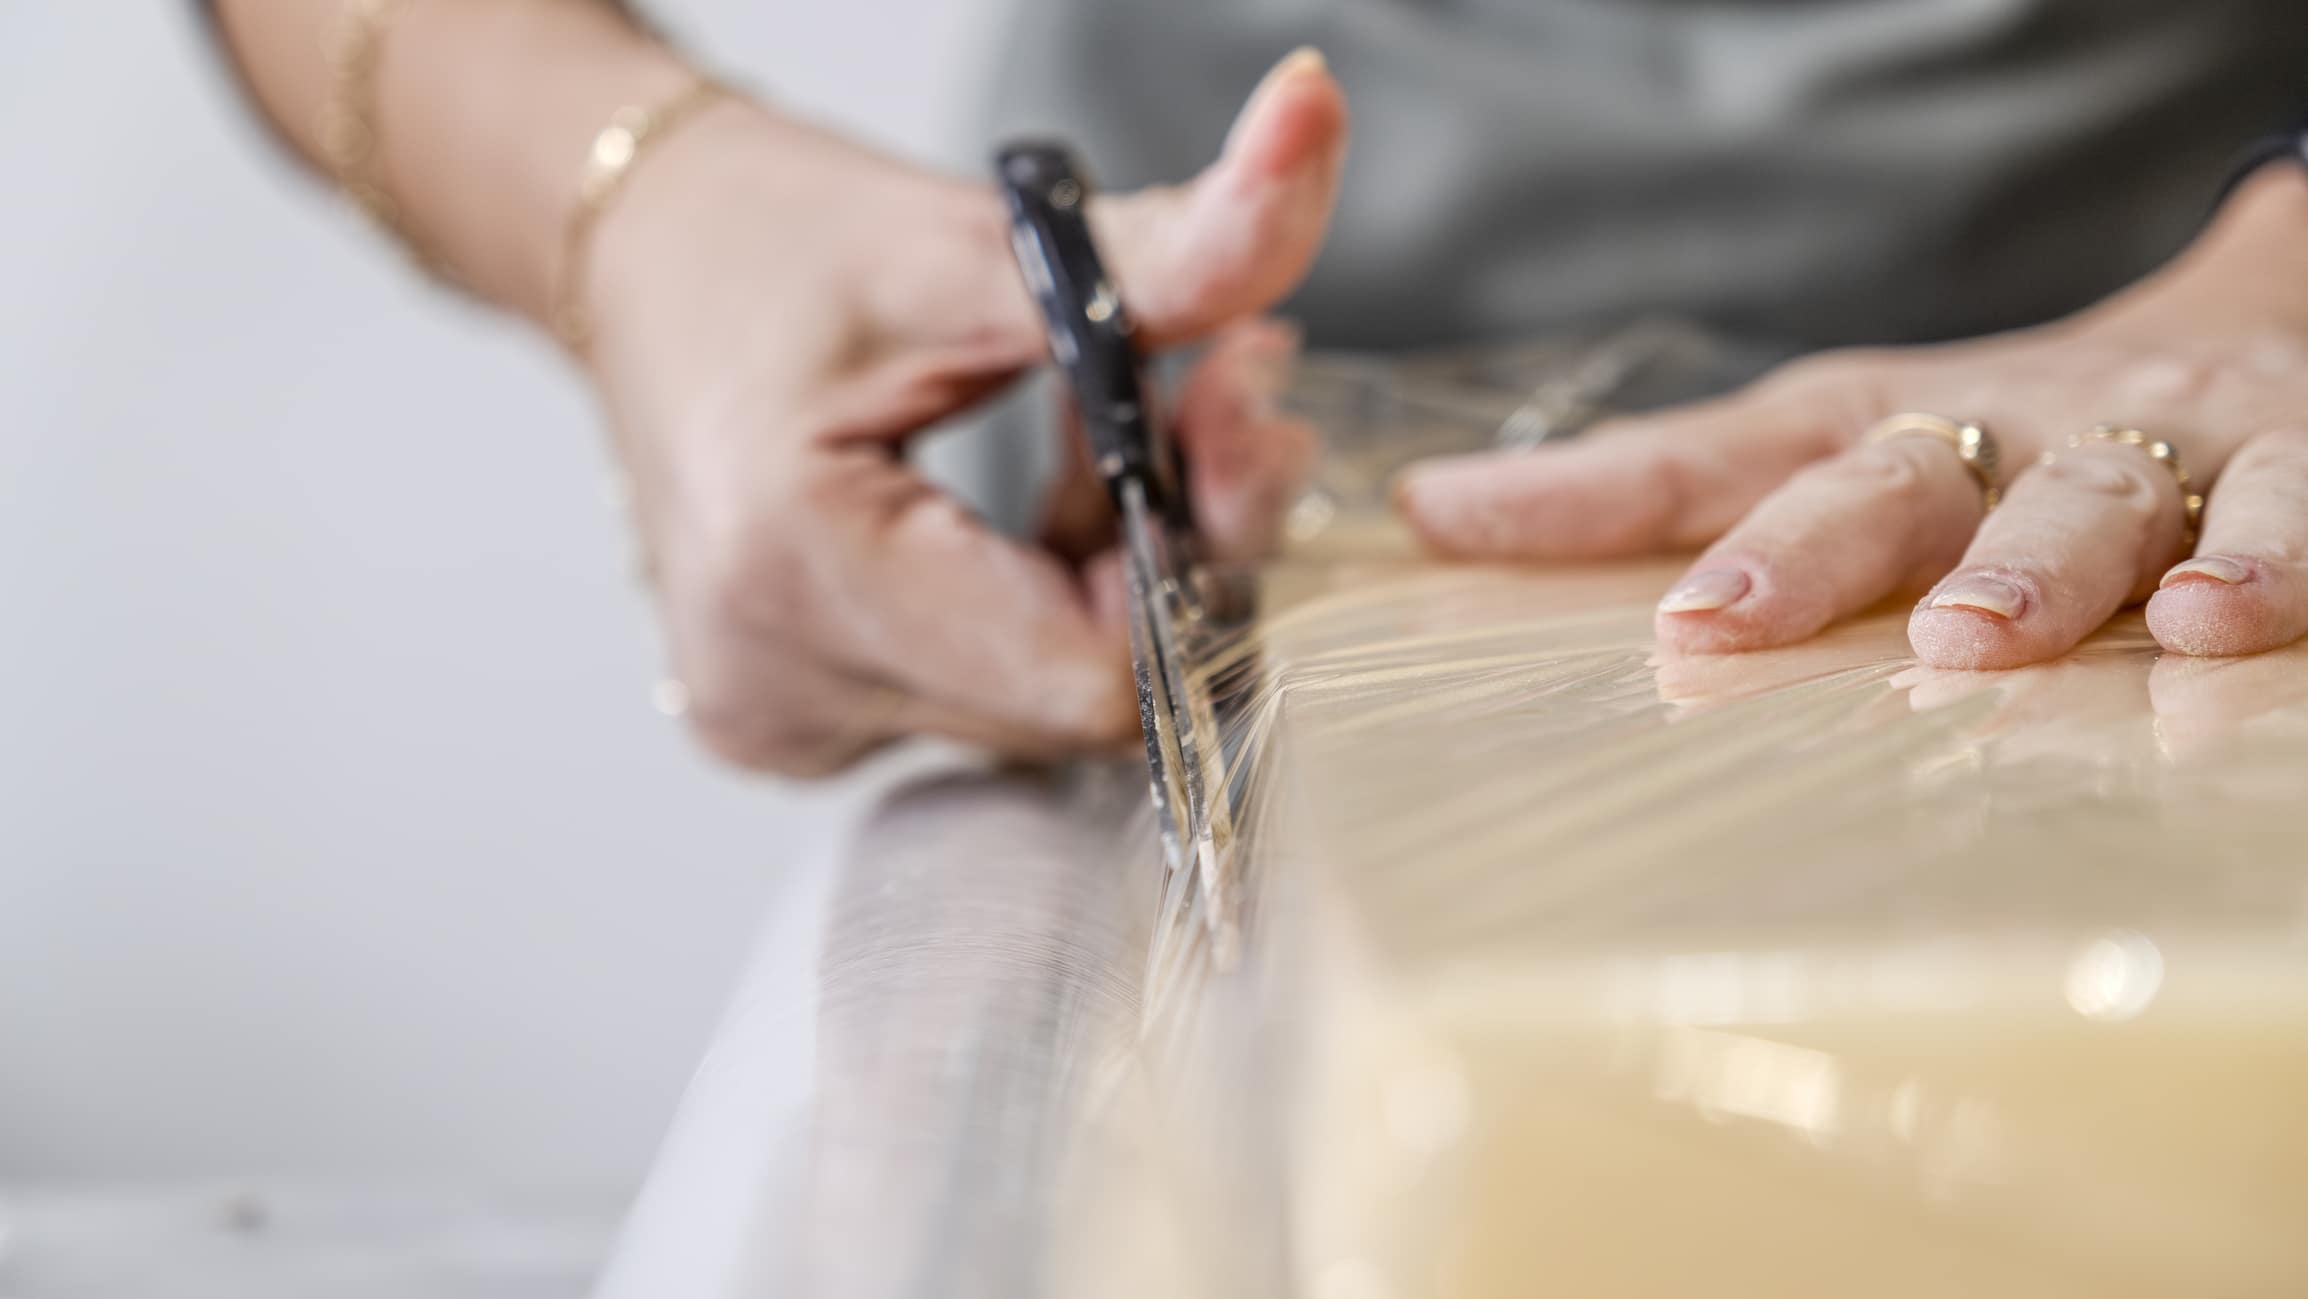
(1181, 734)
(1143, 562)
(1092, 340)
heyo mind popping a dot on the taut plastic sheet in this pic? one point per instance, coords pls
(1575, 969)
(1547, 965)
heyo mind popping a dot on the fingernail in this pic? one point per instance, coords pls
(1703, 592)
(2217, 567)
(1298, 62)
(1305, 58)
(1978, 591)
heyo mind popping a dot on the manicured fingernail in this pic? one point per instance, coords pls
(1706, 591)
(1305, 58)
(2215, 567)
(1984, 594)
(1298, 62)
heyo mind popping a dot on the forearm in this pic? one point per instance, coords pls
(482, 114)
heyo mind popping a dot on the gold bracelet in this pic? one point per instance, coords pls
(350, 143)
(608, 162)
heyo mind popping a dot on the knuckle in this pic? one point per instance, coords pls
(1850, 387)
(754, 741)
(759, 706)
(1833, 368)
(1888, 471)
(2182, 381)
(2118, 474)
(2282, 448)
(737, 739)
(1837, 395)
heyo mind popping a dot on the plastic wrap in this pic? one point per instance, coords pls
(1557, 966)
(1800, 973)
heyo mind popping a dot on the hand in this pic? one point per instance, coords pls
(1802, 525)
(779, 310)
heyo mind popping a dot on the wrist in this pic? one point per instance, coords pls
(486, 163)
(750, 223)
(2266, 215)
(2250, 266)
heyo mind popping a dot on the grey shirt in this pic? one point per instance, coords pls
(1809, 172)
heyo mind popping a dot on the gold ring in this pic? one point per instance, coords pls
(2160, 451)
(1973, 446)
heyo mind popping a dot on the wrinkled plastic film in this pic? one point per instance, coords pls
(1809, 971)
(1828, 972)
(1547, 964)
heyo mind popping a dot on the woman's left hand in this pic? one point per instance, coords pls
(1804, 522)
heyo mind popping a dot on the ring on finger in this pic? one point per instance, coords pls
(1978, 451)
(2156, 449)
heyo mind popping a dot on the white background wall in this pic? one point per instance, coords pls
(338, 839)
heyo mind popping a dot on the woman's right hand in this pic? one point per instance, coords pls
(777, 311)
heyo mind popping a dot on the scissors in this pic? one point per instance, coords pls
(1091, 339)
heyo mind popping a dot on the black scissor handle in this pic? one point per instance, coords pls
(1090, 330)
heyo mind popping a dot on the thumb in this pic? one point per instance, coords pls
(1239, 237)
(1187, 258)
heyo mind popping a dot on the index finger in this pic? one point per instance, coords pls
(1661, 482)
(996, 638)
(1188, 258)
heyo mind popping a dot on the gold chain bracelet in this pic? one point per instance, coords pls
(351, 145)
(608, 163)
